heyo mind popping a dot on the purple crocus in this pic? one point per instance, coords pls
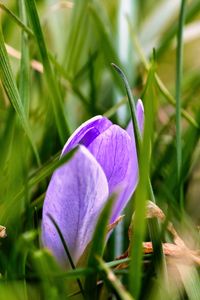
(105, 162)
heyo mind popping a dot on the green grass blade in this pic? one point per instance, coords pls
(55, 96)
(77, 35)
(157, 245)
(179, 66)
(132, 107)
(10, 87)
(141, 195)
(24, 80)
(97, 248)
(106, 43)
(46, 269)
(192, 10)
(41, 174)
(190, 279)
(113, 281)
(48, 168)
(16, 19)
(66, 250)
(161, 86)
(109, 113)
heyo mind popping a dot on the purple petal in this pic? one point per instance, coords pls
(87, 132)
(130, 184)
(114, 152)
(111, 149)
(140, 114)
(132, 171)
(75, 197)
(140, 119)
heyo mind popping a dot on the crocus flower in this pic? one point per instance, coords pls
(105, 162)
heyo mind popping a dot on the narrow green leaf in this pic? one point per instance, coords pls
(24, 80)
(113, 281)
(16, 19)
(66, 250)
(179, 66)
(10, 87)
(192, 10)
(97, 248)
(141, 196)
(190, 279)
(108, 48)
(109, 113)
(46, 170)
(140, 208)
(55, 96)
(46, 269)
(132, 106)
(77, 35)
(163, 89)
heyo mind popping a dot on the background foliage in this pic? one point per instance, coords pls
(56, 73)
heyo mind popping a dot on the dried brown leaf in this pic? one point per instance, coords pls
(115, 223)
(36, 65)
(153, 211)
(3, 232)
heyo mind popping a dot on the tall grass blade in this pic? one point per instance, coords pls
(97, 248)
(16, 19)
(45, 171)
(55, 96)
(192, 10)
(10, 87)
(141, 195)
(66, 250)
(113, 281)
(24, 80)
(161, 86)
(179, 66)
(132, 107)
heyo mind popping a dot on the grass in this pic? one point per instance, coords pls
(76, 42)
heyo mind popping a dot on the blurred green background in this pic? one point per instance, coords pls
(56, 86)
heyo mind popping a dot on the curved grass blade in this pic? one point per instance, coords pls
(55, 96)
(97, 248)
(10, 87)
(45, 171)
(66, 250)
(40, 175)
(142, 191)
(113, 281)
(141, 195)
(16, 19)
(132, 107)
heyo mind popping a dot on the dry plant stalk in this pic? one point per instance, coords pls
(176, 253)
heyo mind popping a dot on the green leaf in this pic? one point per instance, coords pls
(97, 248)
(11, 90)
(179, 66)
(55, 96)
(113, 281)
(45, 171)
(24, 80)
